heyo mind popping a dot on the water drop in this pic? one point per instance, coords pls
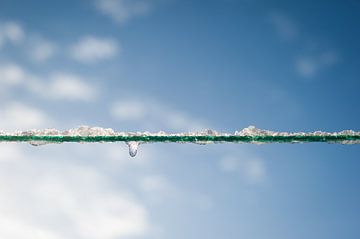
(133, 148)
(37, 143)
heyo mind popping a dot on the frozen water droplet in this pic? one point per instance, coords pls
(133, 148)
(37, 143)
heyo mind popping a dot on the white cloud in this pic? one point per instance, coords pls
(309, 66)
(54, 199)
(306, 67)
(69, 87)
(56, 86)
(88, 49)
(129, 110)
(121, 11)
(91, 49)
(17, 116)
(284, 26)
(62, 86)
(16, 229)
(41, 49)
(11, 74)
(154, 115)
(37, 47)
(11, 32)
(252, 169)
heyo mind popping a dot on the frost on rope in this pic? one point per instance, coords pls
(251, 134)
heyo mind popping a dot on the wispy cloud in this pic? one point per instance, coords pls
(309, 66)
(154, 115)
(249, 167)
(92, 49)
(19, 116)
(123, 10)
(64, 86)
(63, 200)
(55, 86)
(284, 26)
(37, 47)
(11, 32)
(41, 49)
(11, 74)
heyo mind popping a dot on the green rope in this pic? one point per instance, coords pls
(341, 138)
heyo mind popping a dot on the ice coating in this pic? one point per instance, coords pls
(251, 134)
(98, 131)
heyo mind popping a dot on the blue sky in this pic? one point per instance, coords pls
(135, 65)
